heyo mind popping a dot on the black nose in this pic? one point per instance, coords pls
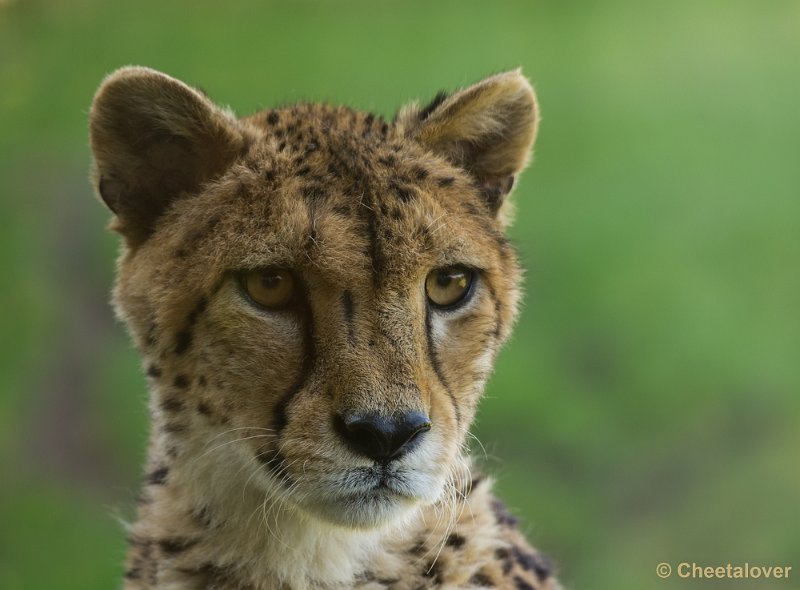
(380, 437)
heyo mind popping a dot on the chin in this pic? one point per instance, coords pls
(363, 511)
(371, 508)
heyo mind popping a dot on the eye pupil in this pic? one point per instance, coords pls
(270, 281)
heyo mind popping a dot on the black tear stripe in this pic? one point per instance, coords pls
(280, 418)
(273, 460)
(347, 310)
(437, 367)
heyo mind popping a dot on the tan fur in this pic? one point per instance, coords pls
(248, 484)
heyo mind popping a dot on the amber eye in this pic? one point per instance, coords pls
(269, 288)
(448, 286)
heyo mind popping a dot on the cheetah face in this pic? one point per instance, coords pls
(319, 295)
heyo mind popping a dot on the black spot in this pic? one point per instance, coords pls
(433, 105)
(215, 576)
(342, 210)
(273, 118)
(419, 173)
(368, 125)
(445, 181)
(183, 341)
(384, 129)
(203, 409)
(433, 570)
(171, 404)
(542, 566)
(153, 371)
(202, 381)
(523, 558)
(388, 160)
(281, 146)
(418, 548)
(501, 514)
(253, 166)
(456, 541)
(474, 483)
(303, 171)
(181, 381)
(313, 192)
(176, 545)
(150, 337)
(174, 427)
(482, 579)
(158, 477)
(404, 193)
(202, 516)
(197, 311)
(133, 574)
(498, 308)
(521, 584)
(472, 209)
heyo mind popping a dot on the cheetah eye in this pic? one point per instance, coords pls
(449, 286)
(269, 288)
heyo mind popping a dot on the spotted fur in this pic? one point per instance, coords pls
(248, 484)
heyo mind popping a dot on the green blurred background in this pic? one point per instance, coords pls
(647, 408)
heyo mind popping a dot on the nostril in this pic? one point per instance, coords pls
(382, 438)
(415, 424)
(370, 436)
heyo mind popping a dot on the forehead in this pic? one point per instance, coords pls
(340, 192)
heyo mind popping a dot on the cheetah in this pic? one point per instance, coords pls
(318, 296)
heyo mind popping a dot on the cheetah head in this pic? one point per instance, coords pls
(318, 294)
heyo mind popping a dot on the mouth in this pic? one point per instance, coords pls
(385, 479)
(366, 497)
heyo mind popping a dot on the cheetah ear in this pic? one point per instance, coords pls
(488, 129)
(155, 139)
